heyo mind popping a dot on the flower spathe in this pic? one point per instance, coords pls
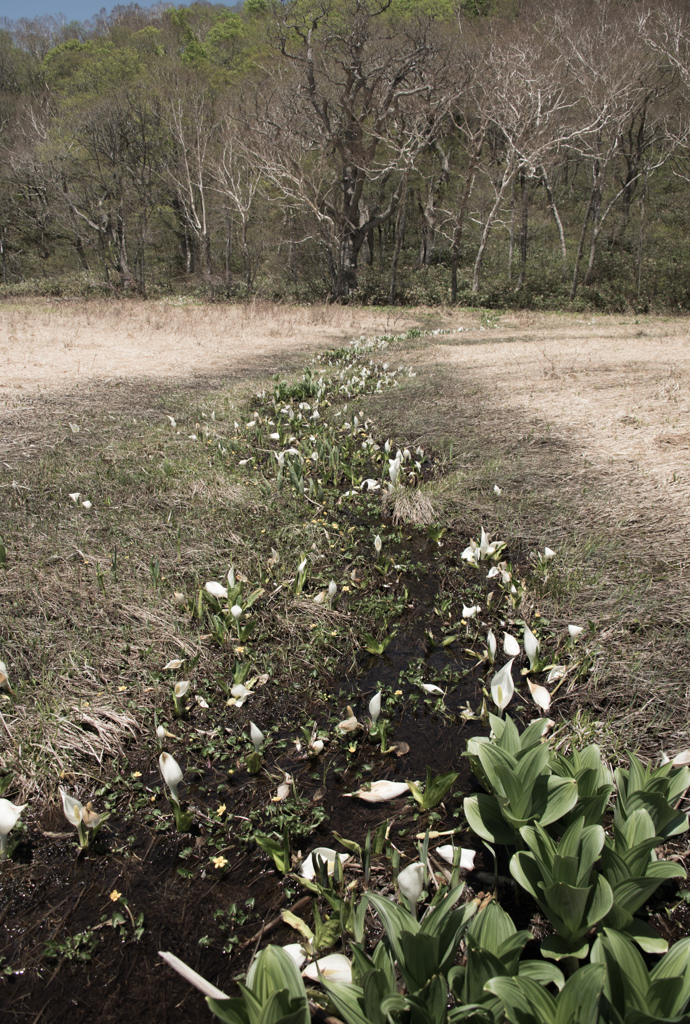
(502, 688)
(411, 882)
(9, 816)
(256, 736)
(540, 695)
(531, 646)
(216, 590)
(334, 967)
(381, 792)
(72, 808)
(171, 773)
(448, 852)
(205, 987)
(181, 688)
(325, 854)
(510, 645)
(375, 707)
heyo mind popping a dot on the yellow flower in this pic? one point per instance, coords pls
(136, 775)
(219, 862)
(398, 693)
(115, 895)
(221, 810)
(352, 748)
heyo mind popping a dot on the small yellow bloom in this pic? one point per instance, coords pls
(352, 748)
(398, 693)
(115, 895)
(219, 862)
(221, 810)
(240, 650)
(136, 775)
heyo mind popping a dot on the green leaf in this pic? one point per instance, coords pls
(524, 1001)
(348, 1001)
(561, 797)
(230, 1011)
(578, 1003)
(485, 819)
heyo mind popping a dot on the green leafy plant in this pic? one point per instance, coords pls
(436, 787)
(526, 1002)
(635, 995)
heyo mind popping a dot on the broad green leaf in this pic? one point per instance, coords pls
(578, 1003)
(485, 819)
(568, 904)
(627, 980)
(543, 972)
(561, 797)
(524, 1001)
(272, 971)
(230, 1011)
(348, 1001)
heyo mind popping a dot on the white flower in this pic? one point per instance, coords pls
(4, 675)
(493, 571)
(72, 808)
(231, 578)
(469, 613)
(173, 422)
(431, 688)
(502, 688)
(348, 724)
(510, 645)
(320, 597)
(75, 496)
(296, 953)
(575, 630)
(531, 646)
(256, 735)
(236, 611)
(556, 673)
(240, 693)
(205, 987)
(281, 459)
(86, 504)
(548, 553)
(181, 688)
(216, 589)
(160, 732)
(540, 695)
(375, 707)
(9, 816)
(325, 854)
(411, 882)
(381, 792)
(274, 437)
(491, 645)
(179, 598)
(681, 759)
(370, 485)
(316, 746)
(497, 490)
(174, 664)
(447, 853)
(172, 774)
(377, 544)
(332, 589)
(302, 566)
(334, 967)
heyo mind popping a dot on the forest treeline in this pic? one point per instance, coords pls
(496, 152)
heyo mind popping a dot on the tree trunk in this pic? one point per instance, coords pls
(559, 226)
(524, 217)
(459, 225)
(399, 238)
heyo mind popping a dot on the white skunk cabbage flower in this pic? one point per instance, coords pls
(447, 853)
(469, 613)
(181, 688)
(393, 470)
(320, 597)
(377, 544)
(502, 688)
(486, 547)
(510, 645)
(302, 565)
(334, 967)
(316, 746)
(239, 692)
(72, 808)
(411, 883)
(173, 421)
(681, 759)
(549, 553)
(296, 953)
(87, 505)
(531, 646)
(328, 856)
(556, 673)
(283, 790)
(4, 675)
(431, 688)
(160, 732)
(171, 773)
(179, 598)
(236, 611)
(9, 816)
(332, 589)
(491, 646)
(216, 590)
(274, 437)
(172, 665)
(350, 723)
(370, 485)
(205, 987)
(280, 457)
(381, 792)
(497, 490)
(575, 631)
(256, 735)
(75, 496)
(231, 577)
(375, 707)
(540, 695)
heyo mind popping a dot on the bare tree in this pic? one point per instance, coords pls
(237, 177)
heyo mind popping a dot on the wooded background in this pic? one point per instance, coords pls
(529, 153)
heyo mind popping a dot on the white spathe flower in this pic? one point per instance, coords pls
(160, 732)
(411, 882)
(231, 577)
(332, 589)
(510, 645)
(171, 773)
(274, 437)
(431, 688)
(375, 707)
(325, 854)
(502, 688)
(557, 672)
(531, 646)
(179, 598)
(302, 565)
(256, 735)
(72, 808)
(9, 816)
(575, 630)
(236, 611)
(283, 790)
(393, 470)
(75, 496)
(205, 987)
(381, 792)
(240, 693)
(316, 747)
(334, 967)
(549, 553)
(447, 853)
(4, 675)
(540, 695)
(280, 457)
(491, 645)
(296, 953)
(181, 688)
(377, 544)
(174, 664)
(493, 571)
(469, 613)
(370, 485)
(681, 759)
(216, 589)
(173, 421)
(320, 597)
(497, 490)
(86, 505)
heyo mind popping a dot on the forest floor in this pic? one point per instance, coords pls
(584, 425)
